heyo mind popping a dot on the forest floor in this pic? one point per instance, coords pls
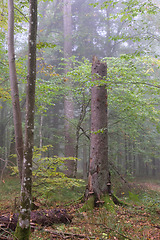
(139, 219)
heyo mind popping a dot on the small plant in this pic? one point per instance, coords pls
(133, 196)
(49, 178)
(151, 203)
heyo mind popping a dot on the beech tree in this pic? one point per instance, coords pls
(23, 227)
(14, 88)
(99, 181)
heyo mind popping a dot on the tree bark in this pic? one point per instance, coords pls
(68, 101)
(14, 88)
(23, 228)
(99, 179)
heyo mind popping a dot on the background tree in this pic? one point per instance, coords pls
(14, 88)
(68, 102)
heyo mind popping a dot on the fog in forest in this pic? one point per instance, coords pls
(127, 37)
(79, 119)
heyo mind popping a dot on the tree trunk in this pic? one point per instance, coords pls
(23, 227)
(68, 102)
(2, 134)
(126, 154)
(85, 168)
(14, 88)
(40, 132)
(134, 160)
(99, 180)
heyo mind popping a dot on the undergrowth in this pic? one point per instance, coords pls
(139, 219)
(9, 190)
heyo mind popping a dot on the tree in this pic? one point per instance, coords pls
(14, 88)
(99, 181)
(23, 227)
(68, 102)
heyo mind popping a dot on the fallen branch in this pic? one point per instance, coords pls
(41, 217)
(116, 170)
(157, 226)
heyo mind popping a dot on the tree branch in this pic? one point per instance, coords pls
(21, 13)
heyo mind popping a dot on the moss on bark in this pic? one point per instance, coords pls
(108, 203)
(22, 233)
(88, 205)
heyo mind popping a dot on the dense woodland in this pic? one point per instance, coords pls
(129, 45)
(71, 34)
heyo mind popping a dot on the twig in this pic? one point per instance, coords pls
(6, 163)
(62, 234)
(14, 237)
(111, 229)
(157, 226)
(84, 132)
(1, 159)
(114, 167)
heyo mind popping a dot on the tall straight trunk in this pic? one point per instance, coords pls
(126, 154)
(68, 101)
(23, 228)
(14, 88)
(40, 132)
(2, 139)
(130, 158)
(99, 167)
(85, 172)
(119, 157)
(134, 160)
(153, 166)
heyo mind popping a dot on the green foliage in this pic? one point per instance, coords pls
(132, 8)
(151, 201)
(4, 94)
(129, 83)
(48, 176)
(133, 196)
(45, 45)
(14, 170)
(134, 16)
(49, 88)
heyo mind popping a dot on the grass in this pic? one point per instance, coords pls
(139, 220)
